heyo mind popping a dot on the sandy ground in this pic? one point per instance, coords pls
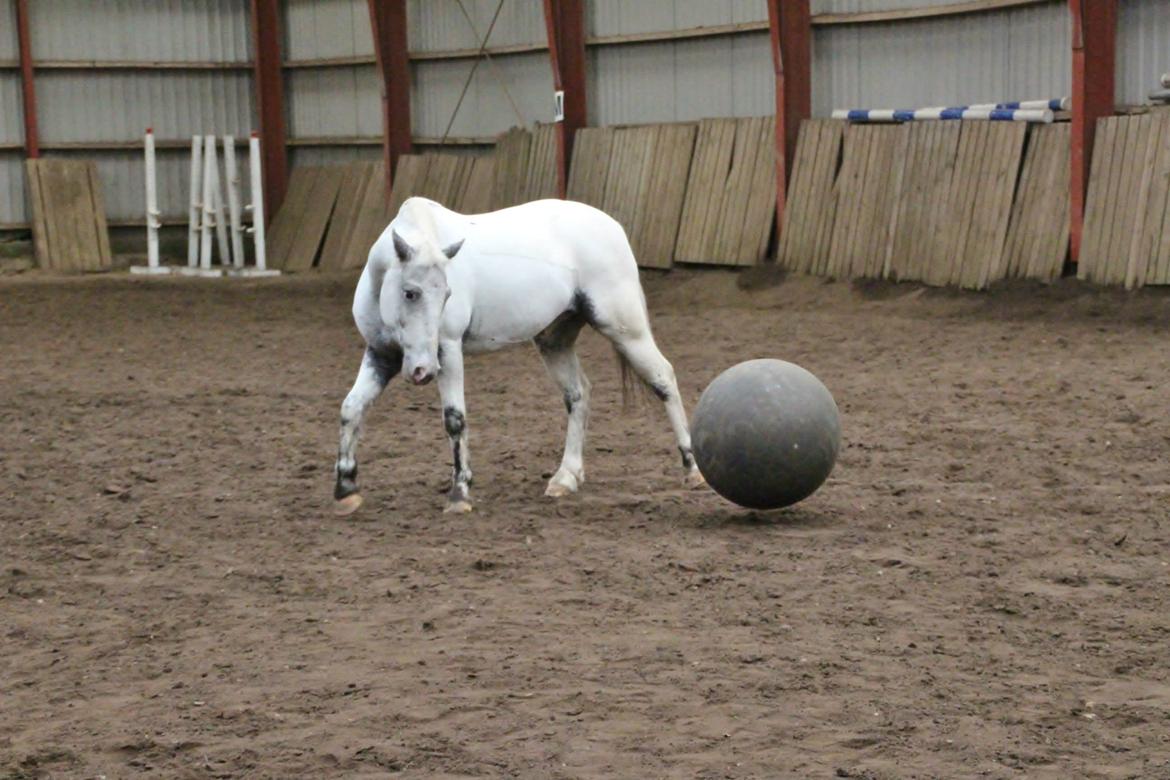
(980, 590)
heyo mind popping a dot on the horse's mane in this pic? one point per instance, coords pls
(419, 219)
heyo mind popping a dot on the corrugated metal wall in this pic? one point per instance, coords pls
(112, 106)
(140, 30)
(334, 112)
(621, 17)
(1014, 54)
(341, 103)
(12, 206)
(859, 6)
(8, 43)
(79, 105)
(334, 106)
(486, 110)
(1143, 48)
(439, 25)
(318, 29)
(666, 81)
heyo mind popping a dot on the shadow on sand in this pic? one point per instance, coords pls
(792, 518)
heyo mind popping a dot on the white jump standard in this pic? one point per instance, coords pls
(207, 210)
(206, 184)
(438, 284)
(153, 221)
(256, 183)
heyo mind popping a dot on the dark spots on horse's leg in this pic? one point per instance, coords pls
(660, 390)
(688, 458)
(346, 482)
(454, 422)
(572, 398)
(460, 476)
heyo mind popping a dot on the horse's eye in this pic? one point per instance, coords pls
(411, 295)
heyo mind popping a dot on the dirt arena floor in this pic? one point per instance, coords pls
(980, 590)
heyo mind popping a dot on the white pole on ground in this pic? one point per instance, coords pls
(221, 232)
(208, 203)
(195, 211)
(257, 206)
(233, 195)
(152, 214)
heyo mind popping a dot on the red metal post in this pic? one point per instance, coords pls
(1094, 60)
(564, 22)
(790, 24)
(32, 146)
(388, 24)
(269, 79)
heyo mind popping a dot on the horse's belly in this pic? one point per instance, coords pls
(515, 299)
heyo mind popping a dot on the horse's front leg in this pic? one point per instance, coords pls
(378, 367)
(455, 423)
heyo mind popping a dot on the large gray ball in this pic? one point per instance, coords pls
(766, 434)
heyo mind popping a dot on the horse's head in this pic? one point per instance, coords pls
(412, 301)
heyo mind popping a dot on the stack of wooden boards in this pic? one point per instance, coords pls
(811, 204)
(1037, 240)
(332, 215)
(297, 229)
(638, 176)
(1126, 237)
(730, 204)
(68, 216)
(693, 192)
(526, 166)
(687, 192)
(936, 202)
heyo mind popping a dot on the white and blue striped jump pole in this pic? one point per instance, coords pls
(1022, 111)
(1055, 104)
(925, 114)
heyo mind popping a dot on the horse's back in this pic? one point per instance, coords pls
(559, 231)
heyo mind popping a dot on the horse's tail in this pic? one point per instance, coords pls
(633, 388)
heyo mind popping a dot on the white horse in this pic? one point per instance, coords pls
(438, 284)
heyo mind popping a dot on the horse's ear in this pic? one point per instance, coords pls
(451, 251)
(401, 248)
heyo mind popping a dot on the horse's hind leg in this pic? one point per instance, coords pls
(557, 349)
(644, 357)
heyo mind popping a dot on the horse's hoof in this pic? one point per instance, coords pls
(564, 483)
(695, 480)
(457, 508)
(348, 505)
(557, 490)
